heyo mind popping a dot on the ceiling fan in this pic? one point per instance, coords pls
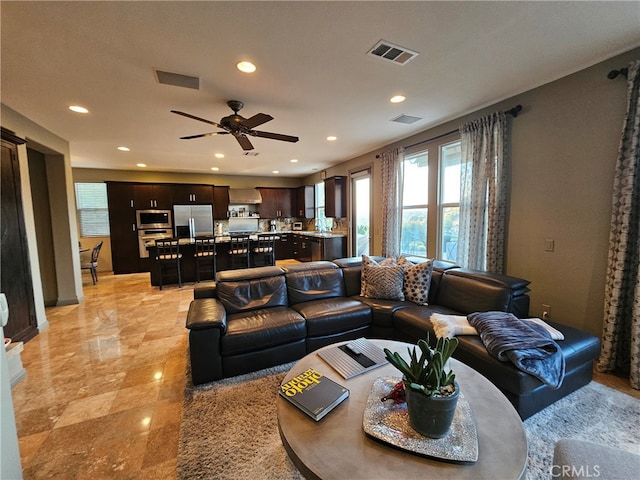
(238, 126)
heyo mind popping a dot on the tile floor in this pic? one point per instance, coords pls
(104, 387)
(103, 394)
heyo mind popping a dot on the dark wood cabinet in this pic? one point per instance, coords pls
(276, 202)
(151, 196)
(186, 194)
(284, 247)
(305, 201)
(220, 202)
(125, 255)
(335, 197)
(301, 248)
(16, 279)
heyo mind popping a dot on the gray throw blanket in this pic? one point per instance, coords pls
(527, 345)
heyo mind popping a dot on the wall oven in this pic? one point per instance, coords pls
(153, 219)
(146, 238)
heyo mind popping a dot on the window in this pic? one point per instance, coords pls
(449, 205)
(93, 211)
(415, 205)
(431, 178)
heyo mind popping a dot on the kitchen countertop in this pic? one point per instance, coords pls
(254, 236)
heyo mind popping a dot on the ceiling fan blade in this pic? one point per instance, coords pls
(203, 135)
(244, 142)
(257, 119)
(275, 136)
(188, 115)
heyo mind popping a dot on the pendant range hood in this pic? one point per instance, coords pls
(244, 196)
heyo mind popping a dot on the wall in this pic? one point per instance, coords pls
(564, 149)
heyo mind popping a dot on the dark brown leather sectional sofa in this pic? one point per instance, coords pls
(260, 317)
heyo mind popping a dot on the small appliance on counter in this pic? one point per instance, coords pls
(273, 226)
(296, 226)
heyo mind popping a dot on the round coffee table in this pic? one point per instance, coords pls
(337, 447)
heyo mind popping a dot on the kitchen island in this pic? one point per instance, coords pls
(303, 246)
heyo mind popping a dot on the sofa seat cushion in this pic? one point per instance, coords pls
(261, 329)
(333, 315)
(382, 310)
(413, 323)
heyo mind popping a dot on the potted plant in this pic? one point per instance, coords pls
(431, 392)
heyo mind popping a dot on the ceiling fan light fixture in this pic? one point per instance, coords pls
(246, 66)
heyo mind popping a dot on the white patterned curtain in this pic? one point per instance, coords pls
(391, 201)
(483, 194)
(621, 331)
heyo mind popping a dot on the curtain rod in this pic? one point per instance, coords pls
(514, 111)
(614, 73)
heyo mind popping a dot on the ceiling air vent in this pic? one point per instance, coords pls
(406, 119)
(177, 79)
(392, 53)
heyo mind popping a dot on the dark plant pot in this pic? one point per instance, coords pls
(431, 416)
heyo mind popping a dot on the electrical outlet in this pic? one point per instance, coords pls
(546, 311)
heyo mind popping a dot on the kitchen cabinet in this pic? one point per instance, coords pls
(152, 196)
(276, 202)
(220, 202)
(125, 254)
(305, 201)
(310, 248)
(335, 197)
(284, 246)
(186, 194)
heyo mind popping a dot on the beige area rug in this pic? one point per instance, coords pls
(229, 428)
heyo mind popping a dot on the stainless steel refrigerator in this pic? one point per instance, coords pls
(192, 221)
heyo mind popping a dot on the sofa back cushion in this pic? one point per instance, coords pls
(251, 289)
(467, 291)
(313, 281)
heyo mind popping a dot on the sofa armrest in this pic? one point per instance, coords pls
(205, 313)
(205, 290)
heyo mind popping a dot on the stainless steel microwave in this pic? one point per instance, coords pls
(153, 219)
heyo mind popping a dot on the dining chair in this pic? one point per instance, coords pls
(205, 253)
(92, 264)
(168, 256)
(239, 251)
(264, 251)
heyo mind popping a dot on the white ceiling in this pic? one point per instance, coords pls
(313, 76)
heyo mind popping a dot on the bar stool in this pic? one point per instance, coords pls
(205, 253)
(239, 251)
(264, 252)
(168, 255)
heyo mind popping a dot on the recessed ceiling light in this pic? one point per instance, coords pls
(219, 155)
(124, 149)
(397, 99)
(215, 169)
(141, 165)
(246, 67)
(294, 160)
(332, 138)
(78, 109)
(276, 171)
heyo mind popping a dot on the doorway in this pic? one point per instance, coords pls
(361, 212)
